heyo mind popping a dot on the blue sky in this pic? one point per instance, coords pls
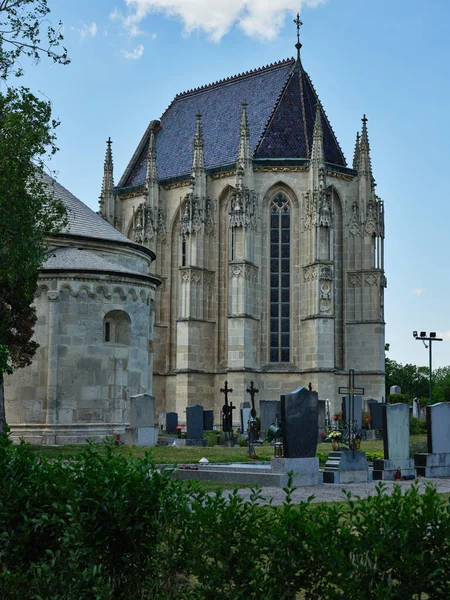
(388, 59)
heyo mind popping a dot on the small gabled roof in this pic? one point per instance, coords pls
(281, 107)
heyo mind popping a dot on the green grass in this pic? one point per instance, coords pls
(192, 454)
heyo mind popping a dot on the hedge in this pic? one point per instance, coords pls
(103, 526)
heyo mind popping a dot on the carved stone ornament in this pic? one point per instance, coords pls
(161, 224)
(326, 273)
(354, 226)
(325, 303)
(354, 280)
(325, 207)
(371, 226)
(195, 219)
(371, 279)
(144, 223)
(243, 208)
(310, 273)
(246, 271)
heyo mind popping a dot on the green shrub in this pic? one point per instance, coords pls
(417, 426)
(105, 527)
(398, 398)
(212, 437)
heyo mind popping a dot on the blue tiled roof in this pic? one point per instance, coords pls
(275, 122)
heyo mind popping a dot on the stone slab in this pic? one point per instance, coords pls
(385, 470)
(346, 467)
(375, 413)
(432, 465)
(208, 420)
(141, 436)
(171, 422)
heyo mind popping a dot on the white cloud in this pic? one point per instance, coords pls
(135, 54)
(257, 18)
(87, 31)
(418, 291)
(445, 335)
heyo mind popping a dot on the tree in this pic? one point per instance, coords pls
(28, 210)
(412, 380)
(22, 23)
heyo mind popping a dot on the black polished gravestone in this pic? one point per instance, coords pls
(208, 420)
(194, 422)
(299, 423)
(171, 422)
(375, 409)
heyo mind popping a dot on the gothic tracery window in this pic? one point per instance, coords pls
(280, 259)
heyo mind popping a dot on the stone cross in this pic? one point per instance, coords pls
(351, 390)
(227, 409)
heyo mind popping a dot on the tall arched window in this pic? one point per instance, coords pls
(280, 267)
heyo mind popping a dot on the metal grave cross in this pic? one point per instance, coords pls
(252, 391)
(227, 409)
(351, 390)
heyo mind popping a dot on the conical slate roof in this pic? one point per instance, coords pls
(82, 220)
(281, 111)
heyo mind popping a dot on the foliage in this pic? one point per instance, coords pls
(23, 24)
(28, 211)
(338, 417)
(399, 398)
(211, 437)
(413, 380)
(366, 419)
(417, 426)
(109, 526)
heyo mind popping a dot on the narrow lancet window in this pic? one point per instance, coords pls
(280, 269)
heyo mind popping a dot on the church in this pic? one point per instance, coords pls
(269, 246)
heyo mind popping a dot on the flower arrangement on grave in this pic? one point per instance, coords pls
(338, 417)
(366, 420)
(334, 435)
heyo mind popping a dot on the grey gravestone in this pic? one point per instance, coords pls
(245, 414)
(208, 420)
(396, 431)
(438, 423)
(162, 420)
(269, 411)
(416, 408)
(375, 413)
(299, 422)
(142, 430)
(171, 422)
(395, 389)
(357, 414)
(194, 422)
(323, 418)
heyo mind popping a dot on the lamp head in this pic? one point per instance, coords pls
(423, 334)
(415, 334)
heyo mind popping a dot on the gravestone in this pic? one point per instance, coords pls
(162, 421)
(323, 419)
(375, 413)
(395, 389)
(299, 422)
(269, 412)
(194, 422)
(357, 415)
(171, 422)
(142, 430)
(395, 443)
(245, 415)
(208, 420)
(416, 408)
(436, 463)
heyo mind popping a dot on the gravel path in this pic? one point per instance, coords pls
(333, 492)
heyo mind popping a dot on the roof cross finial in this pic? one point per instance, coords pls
(298, 45)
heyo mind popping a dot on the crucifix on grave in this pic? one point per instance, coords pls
(350, 422)
(252, 424)
(227, 409)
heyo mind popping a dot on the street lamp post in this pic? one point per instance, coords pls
(430, 339)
